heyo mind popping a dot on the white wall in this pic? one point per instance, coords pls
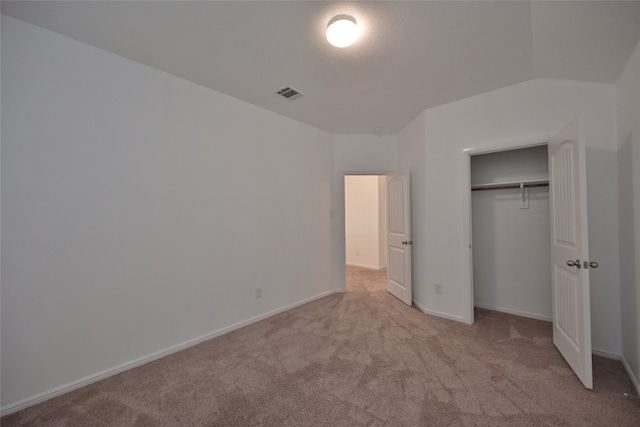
(524, 164)
(628, 108)
(522, 111)
(511, 244)
(140, 211)
(411, 160)
(511, 252)
(362, 221)
(352, 155)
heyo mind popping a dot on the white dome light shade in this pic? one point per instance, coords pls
(342, 31)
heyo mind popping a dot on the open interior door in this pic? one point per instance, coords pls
(399, 238)
(570, 251)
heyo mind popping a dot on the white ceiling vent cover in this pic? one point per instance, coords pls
(289, 93)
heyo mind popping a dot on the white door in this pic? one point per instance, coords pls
(399, 238)
(570, 251)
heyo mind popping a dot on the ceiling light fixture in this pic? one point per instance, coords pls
(342, 30)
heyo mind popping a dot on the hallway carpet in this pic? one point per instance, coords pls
(356, 359)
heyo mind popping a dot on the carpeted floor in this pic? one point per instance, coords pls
(360, 358)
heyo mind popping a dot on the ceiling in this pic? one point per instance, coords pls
(411, 55)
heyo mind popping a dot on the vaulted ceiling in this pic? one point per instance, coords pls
(411, 55)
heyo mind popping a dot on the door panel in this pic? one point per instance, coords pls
(399, 238)
(569, 243)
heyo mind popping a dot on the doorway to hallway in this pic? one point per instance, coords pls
(365, 231)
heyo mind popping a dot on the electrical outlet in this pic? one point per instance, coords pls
(258, 292)
(438, 289)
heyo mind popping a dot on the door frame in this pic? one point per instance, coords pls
(341, 257)
(467, 262)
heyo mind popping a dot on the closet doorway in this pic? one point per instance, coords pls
(510, 232)
(365, 227)
(568, 240)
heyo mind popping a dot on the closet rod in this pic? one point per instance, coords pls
(503, 186)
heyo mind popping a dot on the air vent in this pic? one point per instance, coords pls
(289, 93)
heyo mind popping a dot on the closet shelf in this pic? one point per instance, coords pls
(506, 185)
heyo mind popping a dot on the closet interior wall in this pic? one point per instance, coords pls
(510, 232)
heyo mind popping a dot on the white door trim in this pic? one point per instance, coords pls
(467, 262)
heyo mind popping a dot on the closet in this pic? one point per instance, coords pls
(510, 231)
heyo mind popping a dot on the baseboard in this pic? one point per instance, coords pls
(514, 312)
(633, 378)
(438, 313)
(368, 267)
(58, 391)
(605, 353)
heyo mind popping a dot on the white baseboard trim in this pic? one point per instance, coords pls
(634, 380)
(368, 267)
(514, 312)
(439, 313)
(58, 391)
(605, 353)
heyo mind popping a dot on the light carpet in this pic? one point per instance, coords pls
(356, 359)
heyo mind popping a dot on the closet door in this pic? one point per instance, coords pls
(570, 251)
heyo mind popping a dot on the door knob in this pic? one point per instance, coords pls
(593, 264)
(575, 263)
(407, 242)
